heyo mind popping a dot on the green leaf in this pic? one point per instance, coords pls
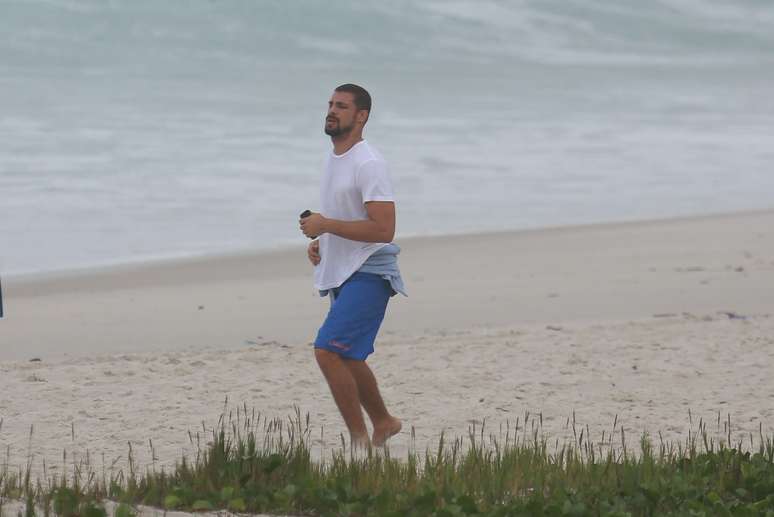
(273, 462)
(451, 510)
(226, 493)
(426, 501)
(381, 502)
(65, 502)
(467, 504)
(124, 510)
(714, 498)
(201, 505)
(291, 490)
(91, 509)
(573, 509)
(171, 502)
(351, 509)
(237, 505)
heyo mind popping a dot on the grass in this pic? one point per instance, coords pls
(256, 464)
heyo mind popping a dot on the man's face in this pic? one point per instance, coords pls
(342, 114)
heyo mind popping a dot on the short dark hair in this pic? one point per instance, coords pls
(362, 97)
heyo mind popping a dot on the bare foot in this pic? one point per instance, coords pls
(382, 433)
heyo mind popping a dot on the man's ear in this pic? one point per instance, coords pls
(362, 116)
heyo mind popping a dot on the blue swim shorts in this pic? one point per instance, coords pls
(356, 313)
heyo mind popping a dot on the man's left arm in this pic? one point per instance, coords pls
(379, 227)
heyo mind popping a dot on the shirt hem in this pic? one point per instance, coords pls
(357, 265)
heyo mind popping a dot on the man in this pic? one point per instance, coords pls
(355, 263)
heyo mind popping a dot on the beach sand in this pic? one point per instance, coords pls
(637, 323)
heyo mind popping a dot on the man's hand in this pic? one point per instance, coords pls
(313, 251)
(313, 226)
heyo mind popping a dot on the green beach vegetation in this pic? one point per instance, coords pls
(251, 463)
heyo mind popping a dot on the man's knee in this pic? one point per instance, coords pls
(325, 357)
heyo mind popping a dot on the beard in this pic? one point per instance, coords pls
(336, 129)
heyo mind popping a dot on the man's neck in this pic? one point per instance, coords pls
(343, 144)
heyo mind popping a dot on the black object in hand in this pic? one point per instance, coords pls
(307, 213)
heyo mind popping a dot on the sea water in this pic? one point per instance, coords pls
(140, 129)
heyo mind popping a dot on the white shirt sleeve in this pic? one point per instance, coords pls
(374, 182)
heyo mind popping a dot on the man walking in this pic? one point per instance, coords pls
(355, 263)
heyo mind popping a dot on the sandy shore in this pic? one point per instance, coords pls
(641, 321)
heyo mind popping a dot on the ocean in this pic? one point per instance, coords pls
(139, 129)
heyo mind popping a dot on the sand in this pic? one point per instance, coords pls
(635, 322)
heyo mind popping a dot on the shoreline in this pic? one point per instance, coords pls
(183, 258)
(588, 272)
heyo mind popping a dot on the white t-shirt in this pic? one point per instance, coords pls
(348, 182)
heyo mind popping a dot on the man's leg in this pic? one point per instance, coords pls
(345, 392)
(385, 425)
